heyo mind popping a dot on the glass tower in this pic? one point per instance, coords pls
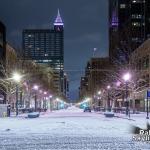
(129, 27)
(46, 46)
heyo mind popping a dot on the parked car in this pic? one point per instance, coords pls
(87, 109)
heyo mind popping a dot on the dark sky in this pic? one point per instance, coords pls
(85, 28)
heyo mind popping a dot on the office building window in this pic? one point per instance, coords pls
(122, 6)
(136, 24)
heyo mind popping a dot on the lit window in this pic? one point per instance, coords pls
(134, 39)
(122, 6)
(30, 46)
(136, 16)
(45, 61)
(136, 24)
(46, 54)
(138, 1)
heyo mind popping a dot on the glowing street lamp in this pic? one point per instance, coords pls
(108, 87)
(50, 96)
(16, 77)
(99, 92)
(57, 99)
(127, 77)
(118, 83)
(35, 87)
(45, 93)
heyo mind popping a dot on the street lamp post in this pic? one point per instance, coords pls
(35, 96)
(17, 78)
(50, 99)
(118, 83)
(127, 101)
(57, 102)
(108, 98)
(44, 102)
(126, 78)
(16, 99)
(41, 98)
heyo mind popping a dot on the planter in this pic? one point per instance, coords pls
(109, 114)
(34, 115)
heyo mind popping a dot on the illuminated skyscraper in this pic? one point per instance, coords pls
(129, 27)
(2, 61)
(46, 46)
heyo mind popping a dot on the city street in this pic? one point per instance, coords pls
(75, 75)
(69, 129)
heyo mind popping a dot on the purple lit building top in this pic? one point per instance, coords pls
(58, 20)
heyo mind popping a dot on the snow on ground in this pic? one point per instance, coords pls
(69, 129)
(71, 121)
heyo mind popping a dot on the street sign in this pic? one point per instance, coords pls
(148, 94)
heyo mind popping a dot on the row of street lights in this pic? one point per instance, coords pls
(17, 79)
(46, 97)
(126, 78)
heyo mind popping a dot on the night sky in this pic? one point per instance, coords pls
(86, 28)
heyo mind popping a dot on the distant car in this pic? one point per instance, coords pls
(87, 109)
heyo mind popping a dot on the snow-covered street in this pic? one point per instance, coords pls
(69, 129)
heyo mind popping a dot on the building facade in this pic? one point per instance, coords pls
(97, 76)
(2, 61)
(140, 64)
(83, 89)
(129, 27)
(46, 46)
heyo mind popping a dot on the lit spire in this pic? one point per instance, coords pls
(58, 20)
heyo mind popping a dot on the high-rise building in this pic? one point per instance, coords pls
(98, 74)
(2, 61)
(84, 86)
(46, 46)
(129, 27)
(83, 89)
(2, 47)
